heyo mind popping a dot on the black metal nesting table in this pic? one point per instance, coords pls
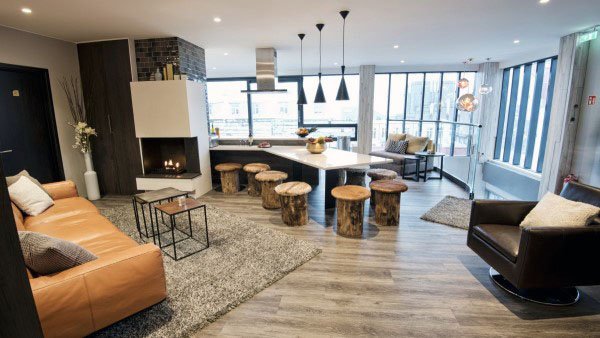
(171, 210)
(149, 199)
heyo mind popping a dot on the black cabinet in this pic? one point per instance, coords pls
(105, 75)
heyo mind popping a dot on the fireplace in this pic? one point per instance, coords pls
(175, 157)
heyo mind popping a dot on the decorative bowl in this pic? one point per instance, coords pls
(316, 148)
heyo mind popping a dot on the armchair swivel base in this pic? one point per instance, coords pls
(557, 297)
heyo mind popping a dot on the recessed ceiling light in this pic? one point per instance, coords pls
(214, 68)
(335, 63)
(517, 42)
(396, 46)
(401, 61)
(225, 53)
(544, 1)
(216, 19)
(26, 10)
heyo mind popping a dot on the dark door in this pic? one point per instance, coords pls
(27, 124)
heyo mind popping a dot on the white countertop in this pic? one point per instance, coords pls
(328, 160)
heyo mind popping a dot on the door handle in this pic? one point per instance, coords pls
(5, 151)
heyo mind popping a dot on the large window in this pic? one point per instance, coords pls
(238, 114)
(424, 104)
(526, 100)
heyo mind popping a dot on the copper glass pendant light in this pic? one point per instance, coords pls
(342, 94)
(301, 94)
(320, 96)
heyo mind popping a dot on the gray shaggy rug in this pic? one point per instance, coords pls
(452, 211)
(243, 259)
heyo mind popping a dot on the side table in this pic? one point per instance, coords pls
(171, 210)
(149, 199)
(417, 161)
(427, 156)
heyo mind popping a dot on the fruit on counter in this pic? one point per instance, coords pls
(303, 132)
(264, 145)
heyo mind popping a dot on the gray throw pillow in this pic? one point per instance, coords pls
(46, 255)
(10, 180)
(398, 147)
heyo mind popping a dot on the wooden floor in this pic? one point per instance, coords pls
(418, 279)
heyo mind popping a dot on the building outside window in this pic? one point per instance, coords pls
(228, 107)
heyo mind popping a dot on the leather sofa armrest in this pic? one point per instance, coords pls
(499, 212)
(100, 292)
(60, 190)
(559, 256)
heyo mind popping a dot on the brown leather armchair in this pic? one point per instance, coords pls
(540, 264)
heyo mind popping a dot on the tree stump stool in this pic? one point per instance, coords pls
(294, 202)
(380, 174)
(230, 178)
(387, 193)
(268, 181)
(350, 209)
(356, 175)
(252, 169)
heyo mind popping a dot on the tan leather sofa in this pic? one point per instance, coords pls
(127, 277)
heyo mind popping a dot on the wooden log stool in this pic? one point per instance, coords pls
(268, 181)
(387, 193)
(380, 174)
(356, 175)
(252, 169)
(350, 209)
(294, 202)
(230, 178)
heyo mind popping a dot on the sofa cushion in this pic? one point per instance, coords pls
(556, 211)
(416, 144)
(504, 238)
(108, 243)
(46, 255)
(77, 228)
(398, 158)
(10, 180)
(62, 208)
(29, 197)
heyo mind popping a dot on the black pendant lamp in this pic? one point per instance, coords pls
(301, 94)
(342, 94)
(320, 97)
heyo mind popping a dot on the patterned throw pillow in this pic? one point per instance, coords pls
(46, 255)
(398, 147)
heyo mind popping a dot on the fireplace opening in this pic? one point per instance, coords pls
(170, 157)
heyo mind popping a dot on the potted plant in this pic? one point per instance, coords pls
(319, 144)
(83, 132)
(303, 132)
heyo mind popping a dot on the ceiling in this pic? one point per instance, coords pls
(427, 32)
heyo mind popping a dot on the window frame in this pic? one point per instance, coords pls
(287, 78)
(454, 122)
(517, 82)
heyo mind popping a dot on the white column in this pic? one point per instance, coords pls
(365, 108)
(568, 89)
(487, 116)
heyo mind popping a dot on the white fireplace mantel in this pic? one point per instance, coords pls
(175, 108)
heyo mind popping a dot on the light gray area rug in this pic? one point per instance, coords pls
(243, 259)
(452, 211)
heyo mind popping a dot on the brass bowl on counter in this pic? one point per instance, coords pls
(316, 148)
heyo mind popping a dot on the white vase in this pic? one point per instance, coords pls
(91, 178)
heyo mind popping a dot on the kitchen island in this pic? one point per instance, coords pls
(299, 159)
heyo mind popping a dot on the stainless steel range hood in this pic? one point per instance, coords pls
(266, 72)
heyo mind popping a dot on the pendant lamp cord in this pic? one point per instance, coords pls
(301, 65)
(320, 55)
(344, 43)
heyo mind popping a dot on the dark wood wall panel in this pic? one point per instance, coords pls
(105, 76)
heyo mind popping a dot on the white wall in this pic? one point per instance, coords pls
(586, 158)
(60, 58)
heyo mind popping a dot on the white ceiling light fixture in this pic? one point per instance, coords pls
(402, 61)
(516, 42)
(396, 46)
(544, 1)
(214, 68)
(26, 10)
(225, 53)
(217, 19)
